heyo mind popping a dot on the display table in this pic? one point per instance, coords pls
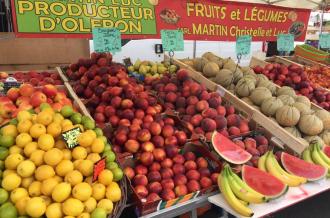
(293, 196)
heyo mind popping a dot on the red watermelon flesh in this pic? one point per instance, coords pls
(263, 182)
(326, 150)
(228, 150)
(302, 168)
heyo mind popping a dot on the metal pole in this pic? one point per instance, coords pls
(194, 49)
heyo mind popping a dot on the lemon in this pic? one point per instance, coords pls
(30, 148)
(79, 153)
(17, 194)
(7, 172)
(58, 118)
(89, 150)
(82, 191)
(90, 205)
(26, 168)
(37, 157)
(54, 129)
(86, 167)
(44, 172)
(64, 167)
(97, 145)
(72, 207)
(35, 207)
(21, 205)
(45, 118)
(37, 130)
(84, 215)
(11, 181)
(23, 139)
(113, 192)
(73, 177)
(105, 177)
(76, 164)
(66, 122)
(67, 128)
(60, 144)
(46, 142)
(98, 191)
(61, 192)
(13, 160)
(26, 182)
(35, 189)
(24, 126)
(92, 133)
(34, 118)
(47, 199)
(58, 178)
(54, 210)
(9, 130)
(48, 185)
(106, 204)
(67, 154)
(53, 156)
(85, 139)
(15, 150)
(94, 157)
(23, 115)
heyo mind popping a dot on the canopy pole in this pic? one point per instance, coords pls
(194, 49)
(321, 24)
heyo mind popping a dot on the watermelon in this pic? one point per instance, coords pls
(302, 168)
(263, 182)
(228, 150)
(326, 150)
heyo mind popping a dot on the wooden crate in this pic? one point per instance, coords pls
(283, 137)
(304, 61)
(62, 74)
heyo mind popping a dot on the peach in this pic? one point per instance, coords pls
(171, 140)
(190, 110)
(195, 89)
(204, 95)
(214, 102)
(208, 125)
(154, 176)
(190, 165)
(144, 135)
(202, 105)
(178, 169)
(192, 100)
(244, 127)
(221, 122)
(132, 146)
(59, 96)
(152, 197)
(196, 120)
(126, 104)
(147, 158)
(221, 110)
(189, 156)
(159, 154)
(171, 150)
(182, 75)
(250, 143)
(261, 140)
(49, 90)
(129, 172)
(147, 146)
(230, 109)
(204, 172)
(180, 102)
(170, 87)
(180, 179)
(139, 114)
(171, 97)
(199, 130)
(141, 103)
(26, 89)
(141, 191)
(115, 102)
(132, 135)
(253, 151)
(38, 98)
(158, 141)
(167, 131)
(210, 113)
(234, 130)
(140, 180)
(181, 137)
(193, 175)
(99, 118)
(124, 122)
(181, 190)
(148, 118)
(201, 162)
(239, 143)
(262, 149)
(141, 170)
(13, 94)
(169, 121)
(167, 163)
(233, 120)
(151, 111)
(155, 166)
(205, 182)
(167, 173)
(135, 127)
(155, 128)
(179, 159)
(193, 186)
(114, 120)
(167, 194)
(155, 187)
(214, 177)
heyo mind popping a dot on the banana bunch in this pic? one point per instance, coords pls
(237, 193)
(314, 154)
(268, 163)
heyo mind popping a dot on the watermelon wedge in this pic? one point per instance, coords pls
(302, 168)
(228, 150)
(326, 150)
(263, 182)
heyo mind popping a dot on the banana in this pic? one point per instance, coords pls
(307, 155)
(242, 193)
(322, 154)
(236, 204)
(262, 162)
(317, 158)
(244, 202)
(272, 169)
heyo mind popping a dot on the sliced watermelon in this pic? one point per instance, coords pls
(263, 182)
(302, 168)
(228, 150)
(326, 150)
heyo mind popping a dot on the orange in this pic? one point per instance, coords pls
(79, 153)
(23, 139)
(97, 145)
(37, 130)
(54, 129)
(85, 139)
(45, 118)
(46, 142)
(24, 126)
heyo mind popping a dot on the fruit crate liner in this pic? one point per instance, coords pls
(143, 208)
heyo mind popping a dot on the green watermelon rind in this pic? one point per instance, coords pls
(308, 179)
(249, 156)
(268, 197)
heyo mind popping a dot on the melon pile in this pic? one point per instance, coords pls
(289, 110)
(41, 176)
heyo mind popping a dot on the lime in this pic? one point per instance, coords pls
(84, 118)
(44, 105)
(89, 124)
(98, 131)
(13, 121)
(104, 139)
(99, 213)
(111, 165)
(3, 196)
(67, 111)
(6, 140)
(110, 156)
(107, 148)
(3, 153)
(32, 111)
(8, 210)
(76, 118)
(117, 174)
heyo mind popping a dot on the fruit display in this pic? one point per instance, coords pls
(152, 69)
(35, 78)
(172, 174)
(318, 75)
(28, 97)
(41, 176)
(300, 79)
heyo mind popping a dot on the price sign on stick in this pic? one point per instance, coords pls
(172, 40)
(324, 40)
(107, 40)
(243, 45)
(285, 42)
(71, 137)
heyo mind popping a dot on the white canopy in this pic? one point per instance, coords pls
(309, 4)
